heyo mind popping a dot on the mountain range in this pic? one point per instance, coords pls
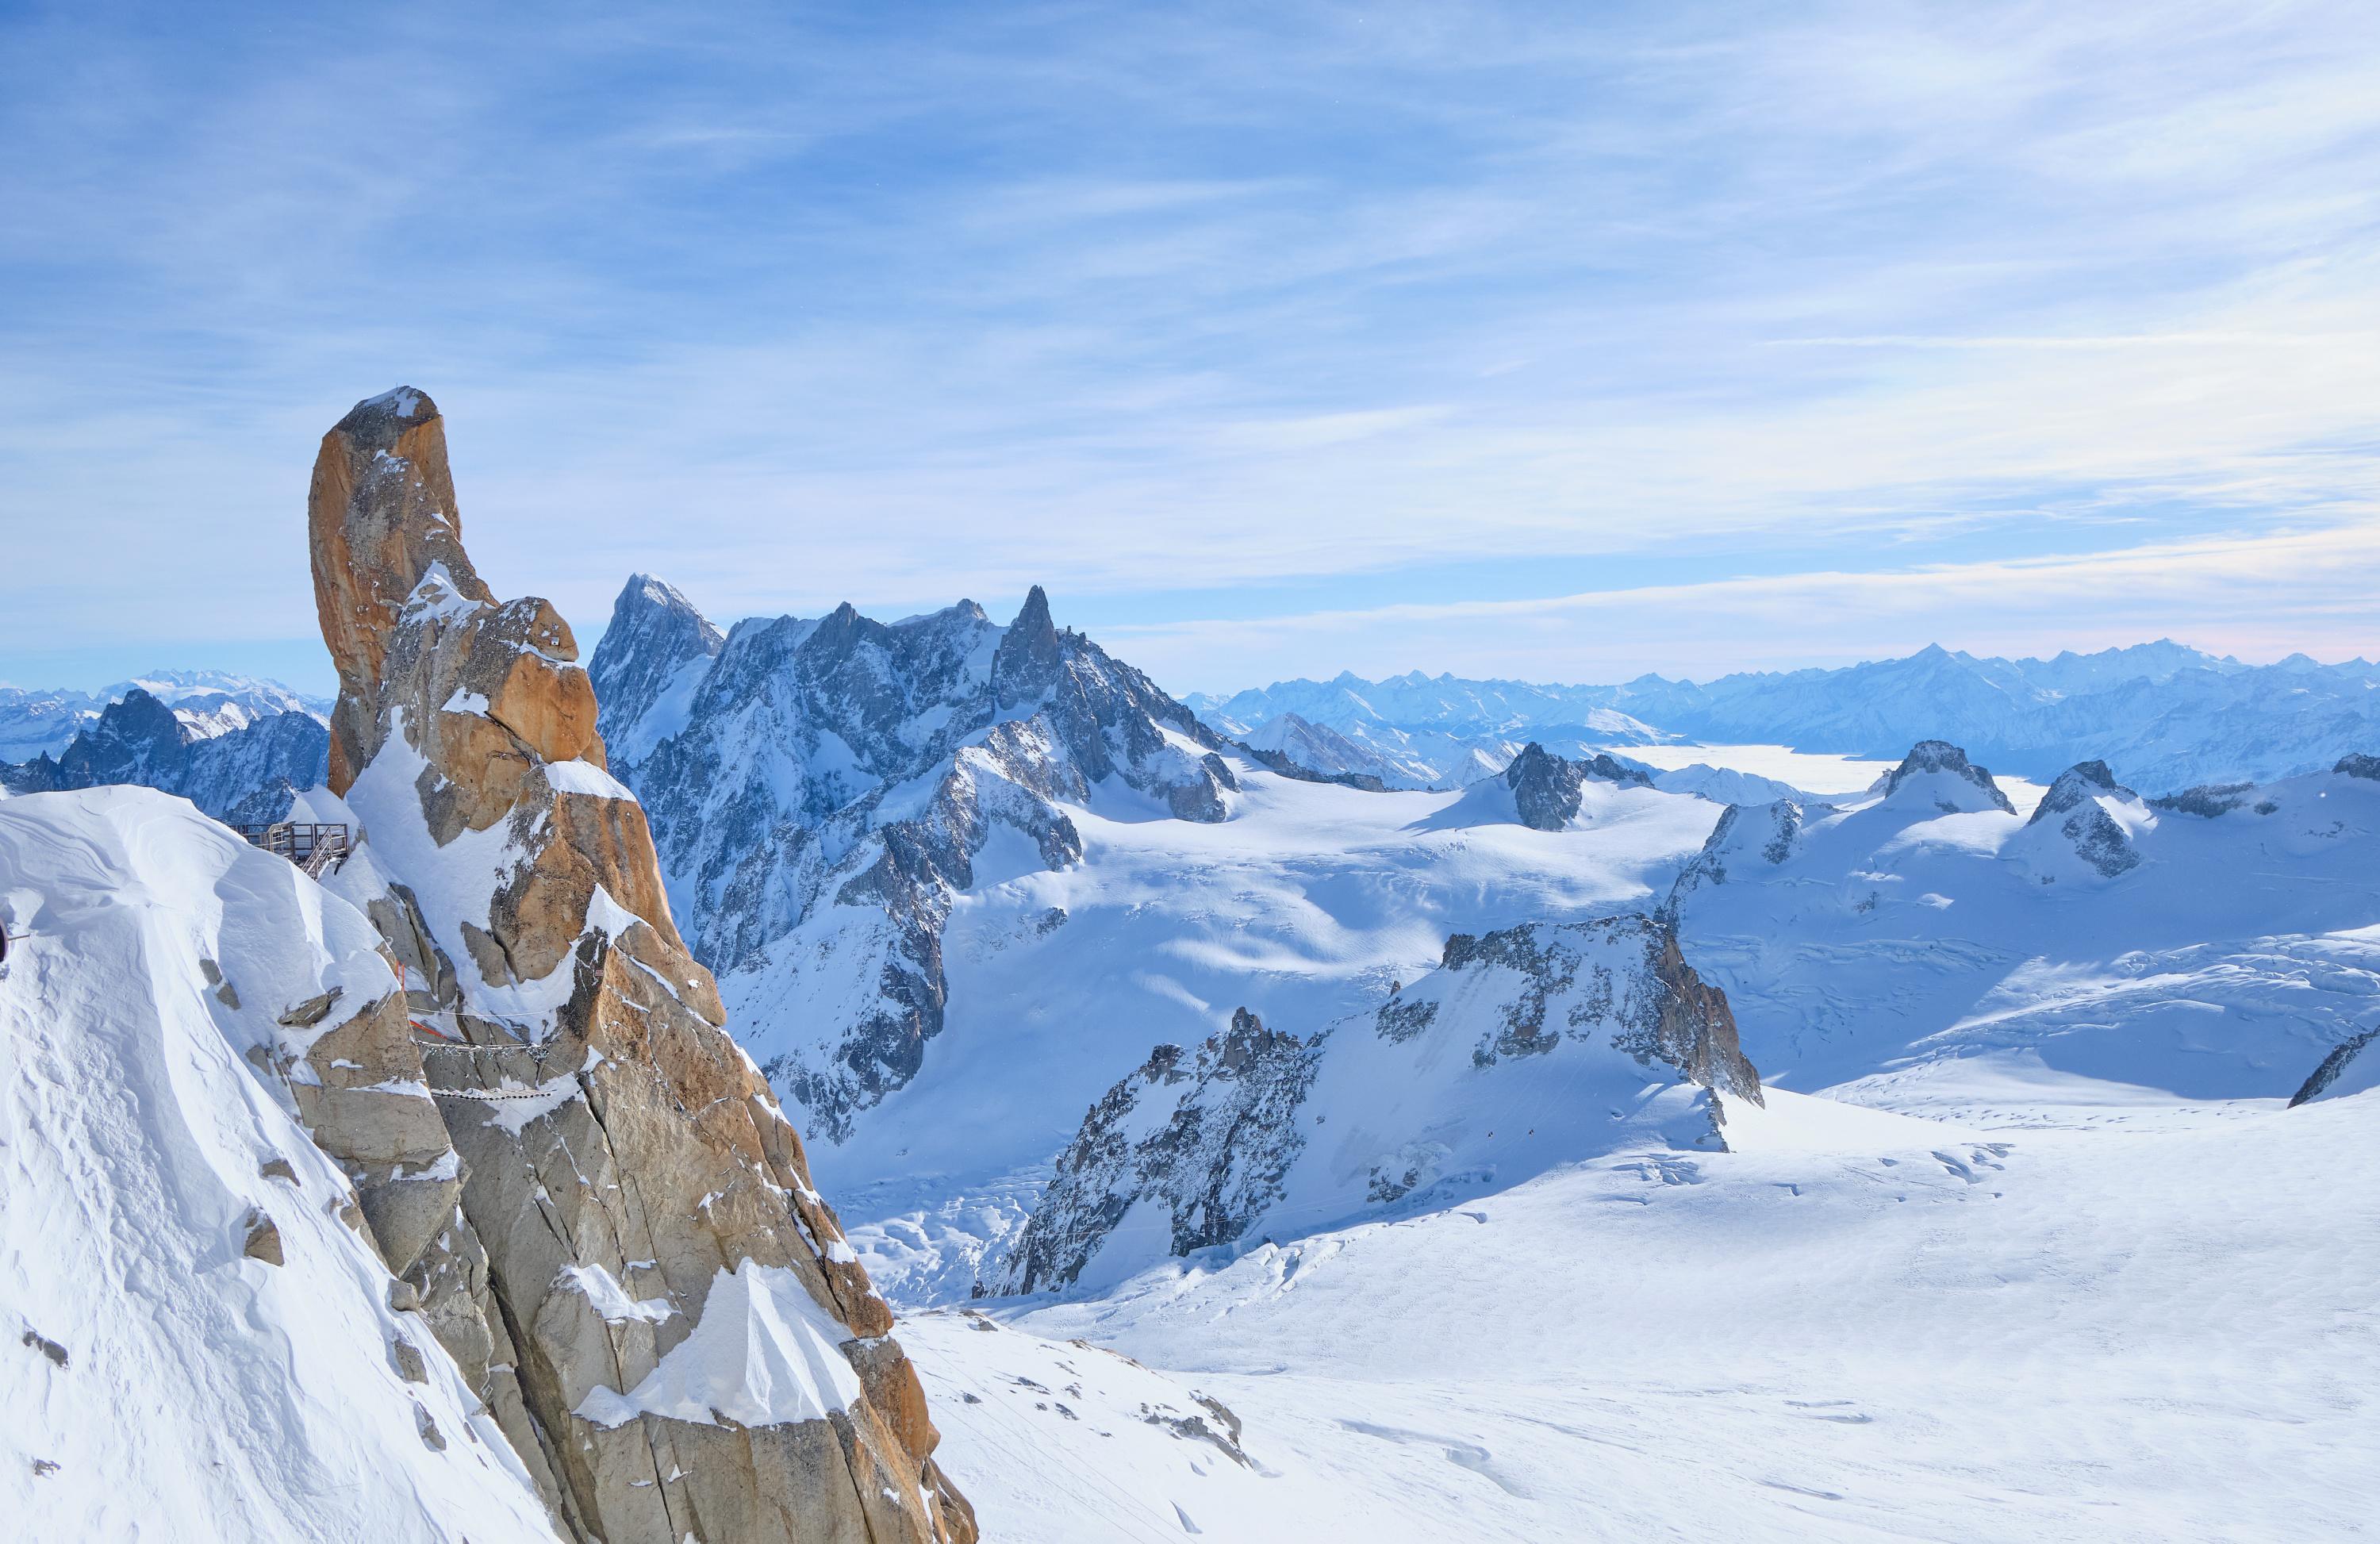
(220, 752)
(44, 721)
(1386, 1110)
(2164, 716)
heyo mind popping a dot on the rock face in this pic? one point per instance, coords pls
(669, 1323)
(246, 773)
(819, 790)
(2078, 805)
(1209, 1150)
(1546, 786)
(1526, 1048)
(653, 655)
(1941, 769)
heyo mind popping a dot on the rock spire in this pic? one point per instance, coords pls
(632, 1198)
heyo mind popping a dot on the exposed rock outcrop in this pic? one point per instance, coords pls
(2076, 807)
(819, 790)
(1214, 1162)
(1546, 786)
(1526, 1048)
(639, 1226)
(1943, 771)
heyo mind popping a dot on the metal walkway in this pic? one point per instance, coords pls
(315, 846)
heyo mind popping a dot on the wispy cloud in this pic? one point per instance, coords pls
(801, 306)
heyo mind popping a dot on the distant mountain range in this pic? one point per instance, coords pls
(232, 761)
(2164, 716)
(39, 722)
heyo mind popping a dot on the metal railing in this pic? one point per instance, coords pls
(314, 846)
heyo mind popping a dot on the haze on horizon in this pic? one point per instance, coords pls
(1275, 341)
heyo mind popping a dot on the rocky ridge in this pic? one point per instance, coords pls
(643, 1281)
(1545, 1033)
(1546, 786)
(819, 790)
(1922, 930)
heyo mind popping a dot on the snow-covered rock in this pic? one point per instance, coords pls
(243, 771)
(2164, 716)
(207, 702)
(1924, 942)
(820, 791)
(1539, 1045)
(213, 1344)
(646, 668)
(625, 1164)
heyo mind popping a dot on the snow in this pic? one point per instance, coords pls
(610, 1299)
(586, 777)
(1882, 1332)
(2224, 964)
(206, 1395)
(762, 1352)
(452, 882)
(1304, 906)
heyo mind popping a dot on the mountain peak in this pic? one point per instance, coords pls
(1940, 758)
(1028, 658)
(381, 517)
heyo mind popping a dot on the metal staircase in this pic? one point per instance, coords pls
(315, 846)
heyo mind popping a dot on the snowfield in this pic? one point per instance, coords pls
(1305, 906)
(160, 1382)
(2153, 1329)
(2051, 1258)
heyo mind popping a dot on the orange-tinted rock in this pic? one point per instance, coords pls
(654, 1155)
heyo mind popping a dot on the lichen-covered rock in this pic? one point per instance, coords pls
(620, 1156)
(1526, 1048)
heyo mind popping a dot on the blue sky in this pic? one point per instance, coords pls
(1558, 342)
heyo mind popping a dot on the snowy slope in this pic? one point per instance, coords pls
(1305, 906)
(1935, 951)
(2147, 1330)
(1526, 1049)
(195, 1392)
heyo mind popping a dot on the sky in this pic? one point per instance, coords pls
(1556, 342)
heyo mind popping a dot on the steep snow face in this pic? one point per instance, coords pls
(247, 771)
(209, 1351)
(1931, 950)
(1325, 750)
(823, 793)
(1538, 1045)
(1939, 772)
